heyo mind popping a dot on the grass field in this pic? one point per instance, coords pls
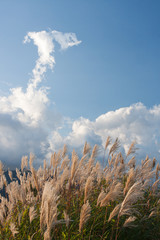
(81, 198)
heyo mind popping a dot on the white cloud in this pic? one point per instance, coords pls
(45, 43)
(65, 39)
(25, 116)
(135, 122)
(29, 106)
(17, 139)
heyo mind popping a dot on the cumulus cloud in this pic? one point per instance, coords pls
(25, 113)
(133, 123)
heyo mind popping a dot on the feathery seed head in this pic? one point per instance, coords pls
(108, 141)
(86, 148)
(64, 151)
(115, 146)
(1, 168)
(13, 229)
(84, 215)
(132, 149)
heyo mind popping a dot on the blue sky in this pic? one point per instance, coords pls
(115, 67)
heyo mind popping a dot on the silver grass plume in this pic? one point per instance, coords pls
(101, 197)
(31, 159)
(115, 146)
(84, 215)
(134, 193)
(108, 142)
(74, 165)
(34, 175)
(132, 162)
(1, 168)
(64, 151)
(132, 149)
(32, 214)
(24, 162)
(113, 194)
(114, 212)
(86, 148)
(93, 156)
(66, 217)
(13, 229)
(130, 180)
(48, 215)
(130, 222)
(88, 188)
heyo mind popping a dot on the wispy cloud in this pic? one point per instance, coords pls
(45, 43)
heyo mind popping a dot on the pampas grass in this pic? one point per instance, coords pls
(80, 198)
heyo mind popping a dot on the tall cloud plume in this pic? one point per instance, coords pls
(28, 109)
(29, 106)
